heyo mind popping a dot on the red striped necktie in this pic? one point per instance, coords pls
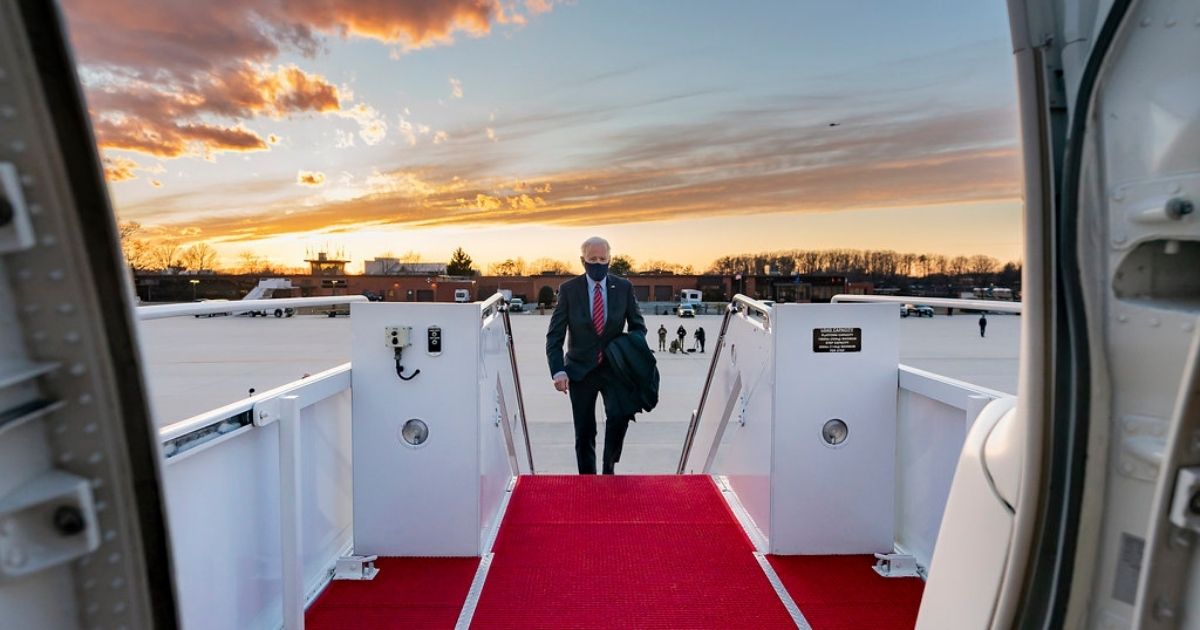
(598, 317)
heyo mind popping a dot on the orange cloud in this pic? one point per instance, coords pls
(119, 169)
(757, 165)
(172, 140)
(164, 122)
(173, 67)
(310, 178)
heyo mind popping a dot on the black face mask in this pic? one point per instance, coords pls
(596, 271)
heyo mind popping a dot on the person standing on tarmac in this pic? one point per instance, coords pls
(983, 325)
(682, 334)
(700, 338)
(662, 336)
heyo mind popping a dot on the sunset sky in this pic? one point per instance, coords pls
(681, 131)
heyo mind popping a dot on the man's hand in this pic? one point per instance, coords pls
(560, 382)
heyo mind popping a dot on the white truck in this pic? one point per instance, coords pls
(689, 302)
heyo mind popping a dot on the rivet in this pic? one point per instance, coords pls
(85, 399)
(1119, 239)
(78, 369)
(1188, 326)
(89, 427)
(28, 181)
(39, 335)
(1146, 22)
(8, 112)
(89, 584)
(95, 458)
(118, 608)
(114, 558)
(1118, 194)
(92, 608)
(1129, 425)
(117, 583)
(110, 534)
(66, 308)
(71, 337)
(31, 308)
(1170, 22)
(35, 208)
(8, 526)
(49, 241)
(17, 146)
(1122, 318)
(56, 275)
(66, 457)
(97, 483)
(60, 428)
(1154, 322)
(84, 561)
(1126, 467)
(101, 506)
(25, 274)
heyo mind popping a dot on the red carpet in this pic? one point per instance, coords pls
(843, 592)
(407, 593)
(624, 552)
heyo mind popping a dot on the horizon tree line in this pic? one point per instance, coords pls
(151, 252)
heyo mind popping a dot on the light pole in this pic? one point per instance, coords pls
(194, 282)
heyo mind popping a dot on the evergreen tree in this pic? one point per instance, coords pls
(460, 264)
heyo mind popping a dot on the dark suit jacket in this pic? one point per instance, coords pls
(572, 314)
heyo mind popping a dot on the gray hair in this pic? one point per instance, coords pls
(595, 240)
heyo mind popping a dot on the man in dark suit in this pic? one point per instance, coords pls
(594, 308)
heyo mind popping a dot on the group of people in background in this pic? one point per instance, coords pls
(677, 345)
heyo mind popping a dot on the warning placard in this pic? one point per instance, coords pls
(837, 340)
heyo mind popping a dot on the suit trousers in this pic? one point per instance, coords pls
(583, 393)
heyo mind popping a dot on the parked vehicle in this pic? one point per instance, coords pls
(685, 310)
(919, 310)
(516, 305)
(462, 295)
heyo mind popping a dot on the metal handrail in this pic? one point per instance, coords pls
(202, 431)
(160, 311)
(489, 306)
(974, 305)
(730, 309)
(753, 306)
(512, 358)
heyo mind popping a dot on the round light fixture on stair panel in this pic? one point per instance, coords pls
(835, 432)
(414, 433)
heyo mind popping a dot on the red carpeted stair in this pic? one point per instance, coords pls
(621, 552)
(845, 593)
(407, 593)
(624, 552)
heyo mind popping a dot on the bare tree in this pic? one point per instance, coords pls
(199, 257)
(957, 266)
(981, 265)
(249, 262)
(163, 254)
(549, 265)
(510, 267)
(136, 250)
